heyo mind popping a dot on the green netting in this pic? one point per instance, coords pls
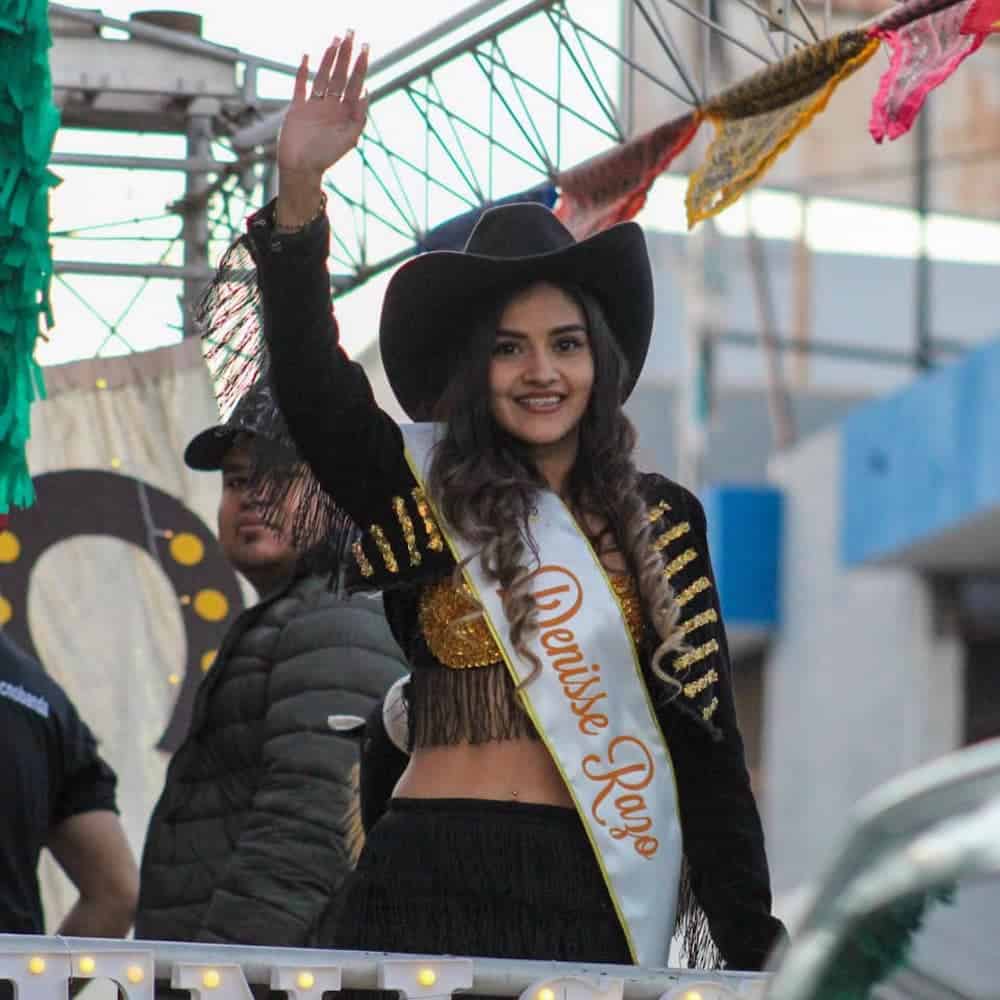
(28, 123)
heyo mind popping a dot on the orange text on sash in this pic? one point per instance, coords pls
(628, 767)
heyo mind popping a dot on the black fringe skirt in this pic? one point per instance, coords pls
(480, 878)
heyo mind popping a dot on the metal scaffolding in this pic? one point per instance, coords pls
(440, 140)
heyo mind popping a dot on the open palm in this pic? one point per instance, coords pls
(321, 127)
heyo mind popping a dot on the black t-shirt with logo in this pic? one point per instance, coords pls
(49, 770)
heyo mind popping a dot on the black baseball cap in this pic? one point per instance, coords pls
(256, 414)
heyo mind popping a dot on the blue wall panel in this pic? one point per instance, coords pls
(744, 535)
(922, 460)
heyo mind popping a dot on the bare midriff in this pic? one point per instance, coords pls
(519, 770)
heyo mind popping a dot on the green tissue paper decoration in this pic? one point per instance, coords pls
(28, 123)
(878, 945)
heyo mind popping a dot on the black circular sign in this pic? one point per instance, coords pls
(79, 502)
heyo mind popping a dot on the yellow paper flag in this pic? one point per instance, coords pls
(756, 120)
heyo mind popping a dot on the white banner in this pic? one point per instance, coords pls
(114, 579)
(590, 705)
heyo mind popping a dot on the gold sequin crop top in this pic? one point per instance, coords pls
(473, 699)
(461, 690)
(458, 636)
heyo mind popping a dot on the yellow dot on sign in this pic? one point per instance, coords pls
(305, 981)
(174, 679)
(427, 977)
(692, 995)
(101, 383)
(211, 605)
(10, 547)
(87, 965)
(6, 611)
(116, 463)
(187, 549)
(36, 965)
(210, 979)
(546, 993)
(207, 659)
(135, 974)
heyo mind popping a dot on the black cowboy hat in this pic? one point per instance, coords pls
(429, 297)
(256, 414)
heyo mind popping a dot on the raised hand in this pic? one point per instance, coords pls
(320, 126)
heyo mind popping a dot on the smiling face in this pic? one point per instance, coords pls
(542, 368)
(262, 554)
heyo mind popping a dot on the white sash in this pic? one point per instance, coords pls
(590, 705)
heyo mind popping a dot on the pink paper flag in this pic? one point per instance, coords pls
(924, 54)
(982, 18)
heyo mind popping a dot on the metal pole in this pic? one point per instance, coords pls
(169, 163)
(433, 35)
(778, 403)
(923, 346)
(841, 351)
(194, 233)
(266, 130)
(181, 41)
(270, 181)
(114, 269)
(704, 299)
(802, 270)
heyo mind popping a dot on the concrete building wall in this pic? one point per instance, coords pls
(856, 301)
(862, 681)
(739, 441)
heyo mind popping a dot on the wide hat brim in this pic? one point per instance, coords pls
(429, 300)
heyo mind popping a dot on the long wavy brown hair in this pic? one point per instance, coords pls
(485, 482)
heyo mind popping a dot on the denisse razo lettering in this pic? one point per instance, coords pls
(624, 767)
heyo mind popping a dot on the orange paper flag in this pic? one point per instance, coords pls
(612, 187)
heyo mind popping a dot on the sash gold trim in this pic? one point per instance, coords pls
(603, 738)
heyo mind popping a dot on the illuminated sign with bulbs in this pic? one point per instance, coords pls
(42, 972)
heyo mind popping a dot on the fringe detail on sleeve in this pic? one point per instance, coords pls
(291, 500)
(698, 948)
(289, 496)
(229, 317)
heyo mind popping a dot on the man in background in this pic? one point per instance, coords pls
(258, 823)
(58, 793)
